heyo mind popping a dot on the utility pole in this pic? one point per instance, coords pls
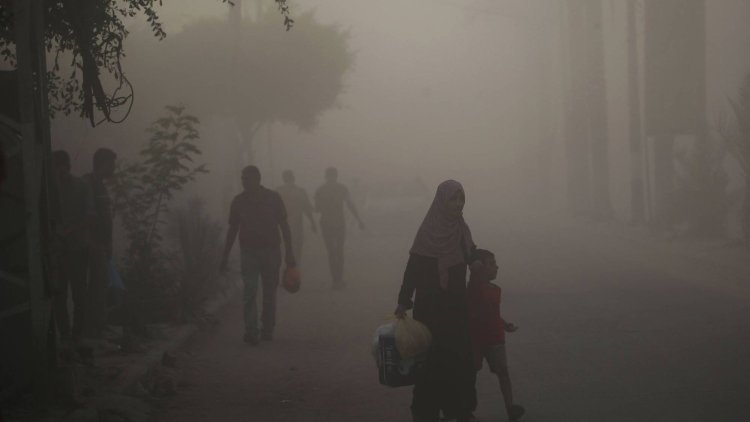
(26, 260)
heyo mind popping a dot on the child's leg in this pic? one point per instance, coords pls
(499, 366)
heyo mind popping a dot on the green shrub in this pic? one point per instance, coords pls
(142, 192)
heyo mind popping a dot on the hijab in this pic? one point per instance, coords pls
(443, 235)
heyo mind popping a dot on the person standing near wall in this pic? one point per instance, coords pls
(76, 214)
(100, 251)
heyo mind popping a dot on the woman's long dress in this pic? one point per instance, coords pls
(446, 382)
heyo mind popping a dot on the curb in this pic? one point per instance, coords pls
(135, 372)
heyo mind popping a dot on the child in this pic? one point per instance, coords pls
(488, 327)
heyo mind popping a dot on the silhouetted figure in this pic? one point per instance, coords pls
(257, 215)
(76, 214)
(329, 202)
(358, 194)
(435, 276)
(3, 167)
(297, 206)
(100, 251)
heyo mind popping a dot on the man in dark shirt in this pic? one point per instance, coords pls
(258, 215)
(329, 202)
(76, 213)
(297, 206)
(100, 252)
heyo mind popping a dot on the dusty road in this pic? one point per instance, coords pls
(605, 335)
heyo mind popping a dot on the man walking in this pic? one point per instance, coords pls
(258, 215)
(100, 251)
(76, 214)
(329, 202)
(297, 206)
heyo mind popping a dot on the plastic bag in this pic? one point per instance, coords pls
(412, 337)
(291, 281)
(388, 329)
(393, 369)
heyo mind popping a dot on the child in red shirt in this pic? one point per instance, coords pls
(488, 328)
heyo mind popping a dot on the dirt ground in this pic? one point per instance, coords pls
(606, 334)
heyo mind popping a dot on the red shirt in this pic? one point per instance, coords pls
(485, 323)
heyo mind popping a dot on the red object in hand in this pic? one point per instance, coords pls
(291, 281)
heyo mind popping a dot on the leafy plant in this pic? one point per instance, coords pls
(199, 239)
(142, 192)
(701, 198)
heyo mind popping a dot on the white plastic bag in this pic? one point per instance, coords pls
(385, 329)
(412, 337)
(393, 369)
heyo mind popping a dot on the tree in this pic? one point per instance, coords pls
(268, 76)
(596, 110)
(675, 87)
(278, 77)
(576, 133)
(737, 137)
(142, 192)
(585, 110)
(87, 40)
(637, 186)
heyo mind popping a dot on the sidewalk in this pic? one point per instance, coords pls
(121, 387)
(719, 263)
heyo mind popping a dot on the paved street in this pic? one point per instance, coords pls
(606, 334)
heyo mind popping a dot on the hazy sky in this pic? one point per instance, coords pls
(445, 89)
(428, 76)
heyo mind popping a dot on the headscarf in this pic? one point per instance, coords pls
(442, 235)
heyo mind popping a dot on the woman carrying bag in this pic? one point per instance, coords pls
(435, 276)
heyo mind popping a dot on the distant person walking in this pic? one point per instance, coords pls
(297, 205)
(330, 199)
(435, 277)
(100, 252)
(258, 215)
(76, 214)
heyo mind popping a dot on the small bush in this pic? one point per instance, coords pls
(142, 192)
(199, 242)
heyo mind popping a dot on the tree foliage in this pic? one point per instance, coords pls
(700, 199)
(86, 39)
(142, 191)
(263, 74)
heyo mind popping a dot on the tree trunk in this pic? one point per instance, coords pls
(675, 98)
(575, 128)
(596, 100)
(746, 212)
(637, 191)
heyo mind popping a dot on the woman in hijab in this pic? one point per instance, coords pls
(436, 272)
